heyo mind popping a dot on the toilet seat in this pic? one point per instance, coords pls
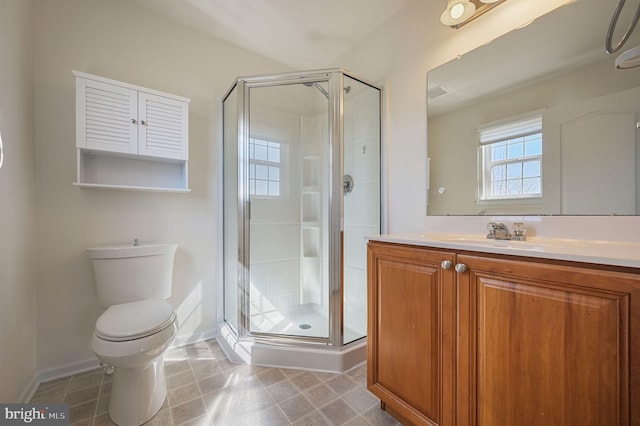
(134, 320)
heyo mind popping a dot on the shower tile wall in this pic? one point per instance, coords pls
(275, 228)
(361, 214)
(315, 245)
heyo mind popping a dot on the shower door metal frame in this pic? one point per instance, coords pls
(335, 79)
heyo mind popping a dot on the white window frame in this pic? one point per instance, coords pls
(510, 132)
(275, 169)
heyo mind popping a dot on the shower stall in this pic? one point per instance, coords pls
(302, 156)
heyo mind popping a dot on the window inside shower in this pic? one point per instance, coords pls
(265, 167)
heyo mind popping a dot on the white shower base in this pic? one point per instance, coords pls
(304, 320)
(290, 354)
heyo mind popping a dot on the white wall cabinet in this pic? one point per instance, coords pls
(130, 137)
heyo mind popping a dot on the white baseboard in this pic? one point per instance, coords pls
(181, 341)
(53, 373)
(29, 390)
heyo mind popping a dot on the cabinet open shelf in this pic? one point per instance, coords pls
(131, 188)
(98, 169)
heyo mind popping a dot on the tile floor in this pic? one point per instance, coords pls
(204, 388)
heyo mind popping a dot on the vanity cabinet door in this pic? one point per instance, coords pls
(546, 344)
(411, 332)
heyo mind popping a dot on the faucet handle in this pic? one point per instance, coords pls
(491, 230)
(519, 229)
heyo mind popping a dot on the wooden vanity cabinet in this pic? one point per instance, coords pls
(507, 341)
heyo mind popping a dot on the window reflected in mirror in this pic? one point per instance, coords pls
(510, 160)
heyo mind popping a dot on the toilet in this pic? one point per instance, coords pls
(138, 325)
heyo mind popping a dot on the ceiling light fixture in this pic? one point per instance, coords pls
(459, 12)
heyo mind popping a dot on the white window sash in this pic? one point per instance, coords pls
(515, 127)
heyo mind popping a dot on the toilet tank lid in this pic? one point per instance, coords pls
(135, 319)
(129, 250)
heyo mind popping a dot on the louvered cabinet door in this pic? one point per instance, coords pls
(163, 130)
(106, 117)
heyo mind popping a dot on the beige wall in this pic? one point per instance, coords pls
(119, 40)
(17, 203)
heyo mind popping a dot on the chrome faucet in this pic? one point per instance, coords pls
(498, 231)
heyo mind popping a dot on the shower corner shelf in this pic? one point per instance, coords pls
(311, 175)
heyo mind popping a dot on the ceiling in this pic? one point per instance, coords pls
(303, 34)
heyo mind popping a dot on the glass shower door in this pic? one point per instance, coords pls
(232, 272)
(361, 202)
(287, 183)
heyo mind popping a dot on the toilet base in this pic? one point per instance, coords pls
(137, 393)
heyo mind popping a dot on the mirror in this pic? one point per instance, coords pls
(556, 67)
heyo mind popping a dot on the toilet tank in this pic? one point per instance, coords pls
(127, 272)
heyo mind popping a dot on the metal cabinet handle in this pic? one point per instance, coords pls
(461, 267)
(446, 264)
(133, 120)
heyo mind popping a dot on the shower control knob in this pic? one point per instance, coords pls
(461, 267)
(446, 264)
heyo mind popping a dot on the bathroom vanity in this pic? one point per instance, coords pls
(469, 332)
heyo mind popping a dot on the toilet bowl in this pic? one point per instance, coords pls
(138, 325)
(132, 338)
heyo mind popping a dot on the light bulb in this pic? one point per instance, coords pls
(457, 11)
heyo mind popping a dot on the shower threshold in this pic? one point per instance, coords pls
(321, 358)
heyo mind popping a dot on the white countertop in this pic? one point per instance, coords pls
(589, 251)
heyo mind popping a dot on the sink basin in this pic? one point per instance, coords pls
(482, 241)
